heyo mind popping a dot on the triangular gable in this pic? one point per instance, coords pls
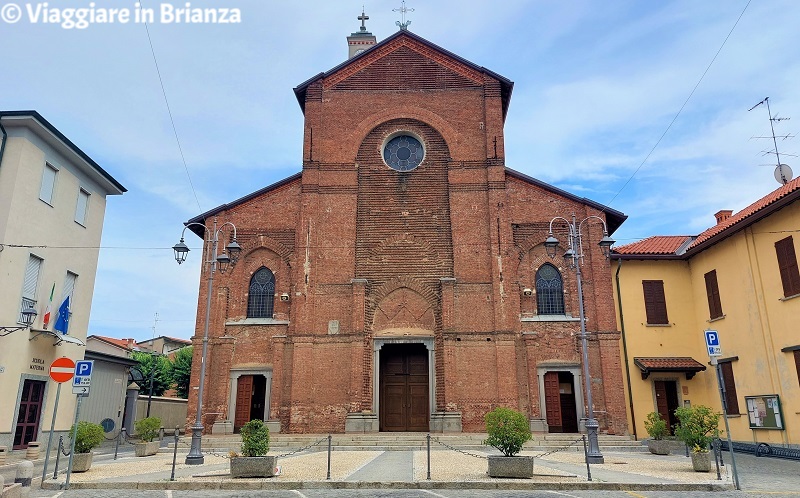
(401, 50)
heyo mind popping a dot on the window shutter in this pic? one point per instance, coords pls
(654, 302)
(730, 388)
(797, 363)
(48, 183)
(82, 207)
(712, 291)
(787, 264)
(69, 288)
(31, 277)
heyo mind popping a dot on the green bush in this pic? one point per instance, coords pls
(508, 430)
(255, 439)
(147, 428)
(698, 426)
(89, 436)
(656, 426)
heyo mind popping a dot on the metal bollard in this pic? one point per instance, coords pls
(429, 456)
(58, 455)
(116, 443)
(586, 457)
(175, 453)
(329, 457)
(24, 477)
(717, 451)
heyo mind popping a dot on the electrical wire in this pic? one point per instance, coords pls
(169, 110)
(658, 142)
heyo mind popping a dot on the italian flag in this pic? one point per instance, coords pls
(46, 319)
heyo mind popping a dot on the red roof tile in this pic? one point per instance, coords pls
(750, 210)
(123, 343)
(669, 362)
(657, 244)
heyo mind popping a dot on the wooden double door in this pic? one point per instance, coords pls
(559, 400)
(667, 401)
(403, 391)
(251, 393)
(30, 413)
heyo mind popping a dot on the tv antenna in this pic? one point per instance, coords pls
(783, 173)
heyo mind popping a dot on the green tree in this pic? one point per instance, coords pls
(182, 371)
(159, 367)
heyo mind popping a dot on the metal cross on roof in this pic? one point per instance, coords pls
(402, 10)
(363, 17)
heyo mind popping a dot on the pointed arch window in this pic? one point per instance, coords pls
(261, 297)
(549, 291)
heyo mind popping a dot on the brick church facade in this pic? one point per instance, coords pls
(399, 282)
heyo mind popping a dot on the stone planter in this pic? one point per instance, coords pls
(517, 466)
(658, 447)
(81, 462)
(701, 461)
(146, 449)
(253, 466)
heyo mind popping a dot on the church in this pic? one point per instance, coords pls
(399, 281)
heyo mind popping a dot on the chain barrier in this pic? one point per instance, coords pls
(482, 457)
(573, 443)
(61, 448)
(298, 450)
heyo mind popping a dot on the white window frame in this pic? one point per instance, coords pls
(48, 187)
(82, 206)
(30, 283)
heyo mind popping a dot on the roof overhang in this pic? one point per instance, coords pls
(684, 364)
(50, 134)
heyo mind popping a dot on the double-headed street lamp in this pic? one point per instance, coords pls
(229, 256)
(573, 257)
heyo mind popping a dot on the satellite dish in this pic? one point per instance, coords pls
(783, 174)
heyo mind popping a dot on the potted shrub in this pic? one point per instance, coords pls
(147, 430)
(697, 426)
(253, 462)
(87, 437)
(508, 430)
(656, 428)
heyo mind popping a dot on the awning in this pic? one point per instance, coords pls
(57, 336)
(684, 364)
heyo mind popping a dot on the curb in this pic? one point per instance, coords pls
(290, 485)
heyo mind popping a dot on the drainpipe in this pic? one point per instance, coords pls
(625, 351)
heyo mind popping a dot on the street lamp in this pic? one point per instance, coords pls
(229, 256)
(28, 316)
(573, 257)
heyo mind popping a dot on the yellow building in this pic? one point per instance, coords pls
(739, 278)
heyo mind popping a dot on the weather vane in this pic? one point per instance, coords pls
(402, 10)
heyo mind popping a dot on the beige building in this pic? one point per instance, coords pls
(739, 278)
(52, 198)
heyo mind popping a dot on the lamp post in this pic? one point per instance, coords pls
(28, 316)
(574, 258)
(195, 456)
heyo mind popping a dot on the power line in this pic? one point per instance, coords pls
(169, 110)
(682, 107)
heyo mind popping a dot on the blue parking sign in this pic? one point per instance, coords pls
(712, 343)
(83, 368)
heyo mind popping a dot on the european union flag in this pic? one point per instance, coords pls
(62, 322)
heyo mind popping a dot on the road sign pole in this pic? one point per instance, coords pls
(72, 444)
(50, 437)
(721, 385)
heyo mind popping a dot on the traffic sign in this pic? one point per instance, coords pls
(712, 343)
(62, 370)
(83, 377)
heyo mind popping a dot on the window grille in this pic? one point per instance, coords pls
(261, 299)
(549, 291)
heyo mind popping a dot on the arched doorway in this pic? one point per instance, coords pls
(403, 388)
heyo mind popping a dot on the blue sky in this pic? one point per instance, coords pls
(596, 85)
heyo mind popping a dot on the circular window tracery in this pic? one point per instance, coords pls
(403, 153)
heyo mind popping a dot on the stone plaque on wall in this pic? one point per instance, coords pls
(333, 327)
